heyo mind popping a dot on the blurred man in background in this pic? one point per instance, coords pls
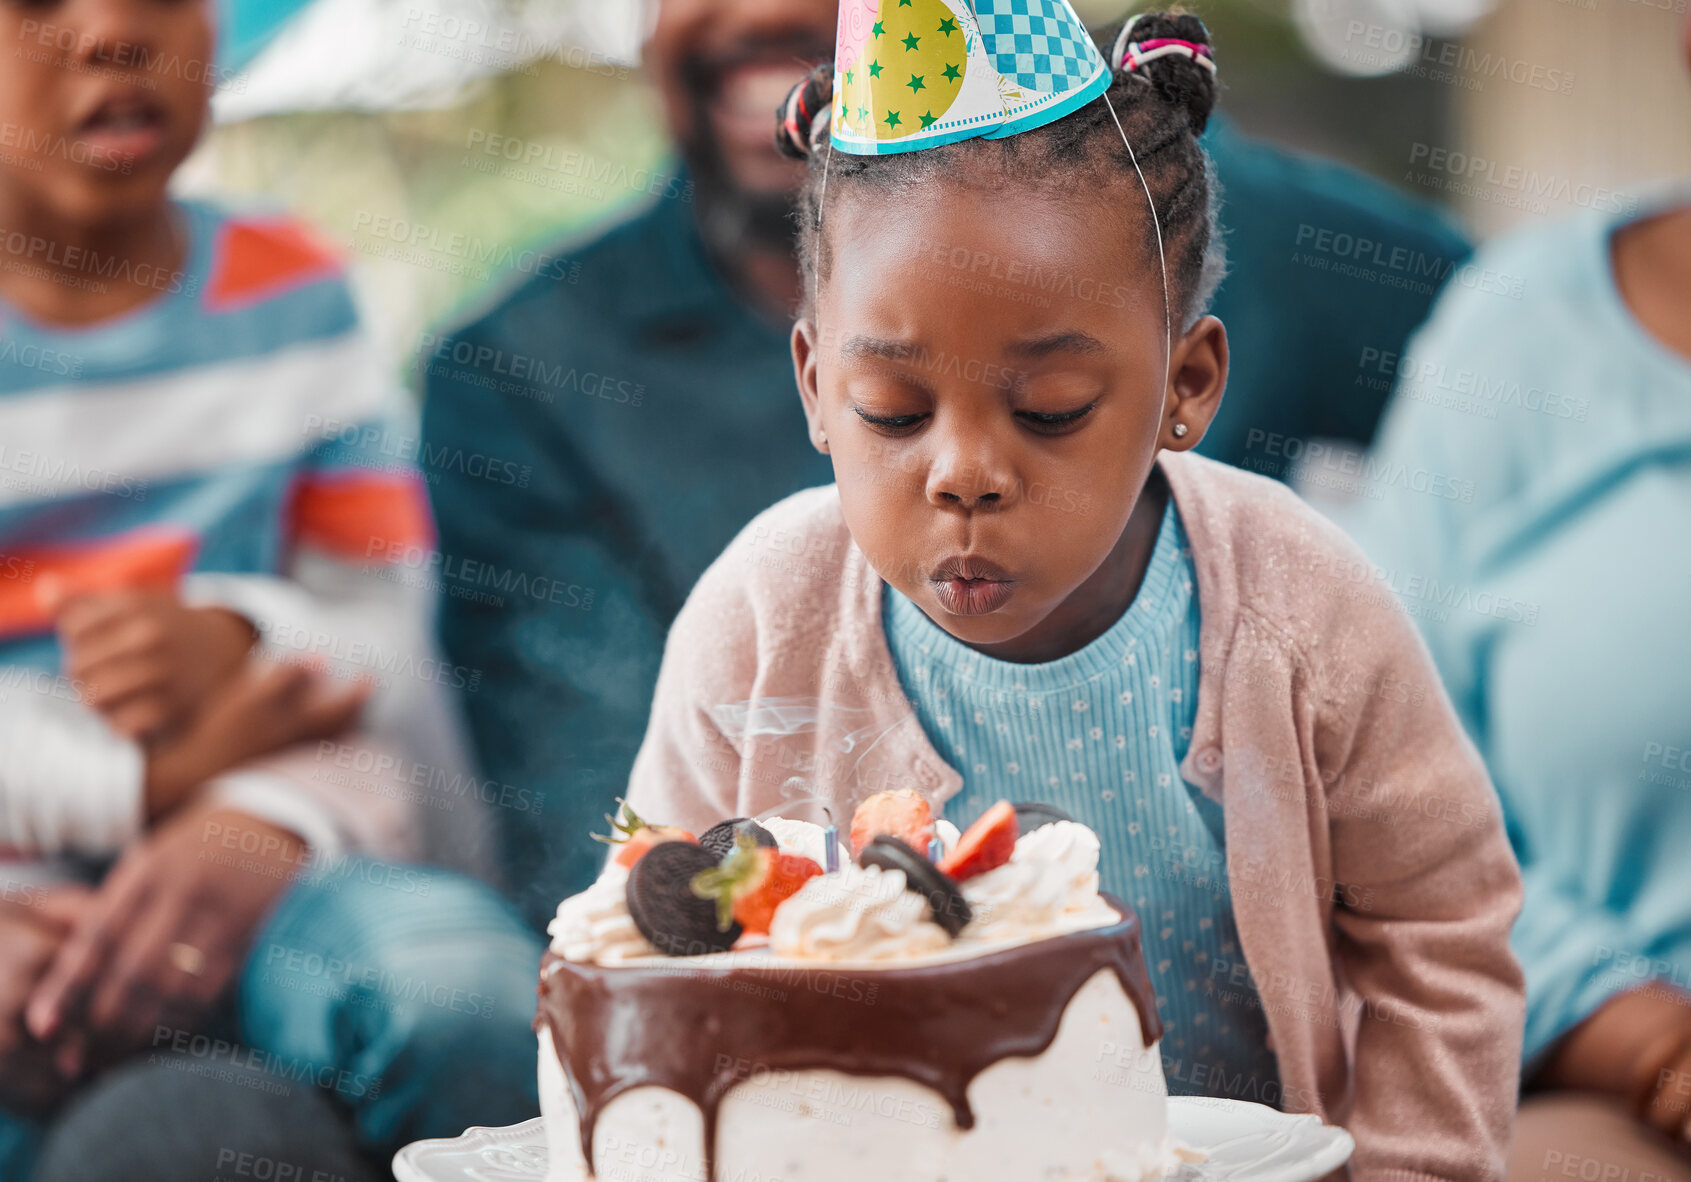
(653, 400)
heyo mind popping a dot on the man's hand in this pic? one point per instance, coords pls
(144, 659)
(29, 939)
(1636, 1045)
(164, 937)
(263, 708)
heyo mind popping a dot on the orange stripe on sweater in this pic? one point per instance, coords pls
(364, 518)
(151, 557)
(259, 259)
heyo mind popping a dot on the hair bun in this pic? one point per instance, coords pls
(1179, 77)
(804, 114)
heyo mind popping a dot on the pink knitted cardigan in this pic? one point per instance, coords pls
(1371, 879)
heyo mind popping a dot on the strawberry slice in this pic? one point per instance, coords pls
(633, 836)
(751, 882)
(783, 875)
(985, 845)
(903, 814)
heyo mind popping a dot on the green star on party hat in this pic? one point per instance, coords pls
(912, 74)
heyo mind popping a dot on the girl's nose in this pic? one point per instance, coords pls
(968, 480)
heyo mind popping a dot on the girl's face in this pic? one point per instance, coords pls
(988, 376)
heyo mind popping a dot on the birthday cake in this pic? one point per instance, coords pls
(762, 1002)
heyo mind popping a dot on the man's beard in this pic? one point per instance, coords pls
(733, 218)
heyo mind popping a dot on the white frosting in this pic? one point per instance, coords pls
(1049, 885)
(595, 925)
(947, 833)
(857, 914)
(805, 838)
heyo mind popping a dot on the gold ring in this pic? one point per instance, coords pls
(188, 958)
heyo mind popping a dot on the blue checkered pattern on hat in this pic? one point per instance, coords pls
(1039, 43)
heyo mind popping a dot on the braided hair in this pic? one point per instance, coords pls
(1163, 104)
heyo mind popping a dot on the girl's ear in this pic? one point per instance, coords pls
(805, 353)
(1197, 377)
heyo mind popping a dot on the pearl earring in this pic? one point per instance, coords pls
(1180, 430)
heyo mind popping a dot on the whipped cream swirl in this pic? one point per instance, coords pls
(858, 914)
(595, 926)
(804, 838)
(1049, 885)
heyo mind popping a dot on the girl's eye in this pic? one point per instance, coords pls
(895, 424)
(1053, 424)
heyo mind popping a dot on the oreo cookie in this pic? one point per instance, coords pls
(719, 838)
(663, 906)
(1030, 815)
(950, 908)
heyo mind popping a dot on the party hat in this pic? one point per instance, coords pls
(912, 74)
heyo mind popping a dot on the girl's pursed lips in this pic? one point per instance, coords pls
(969, 568)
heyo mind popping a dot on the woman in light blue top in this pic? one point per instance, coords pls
(1530, 499)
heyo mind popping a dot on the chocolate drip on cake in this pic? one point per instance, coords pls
(698, 1031)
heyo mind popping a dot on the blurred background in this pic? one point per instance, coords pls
(396, 125)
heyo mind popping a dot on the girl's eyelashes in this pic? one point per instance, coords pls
(1055, 424)
(893, 424)
(1045, 423)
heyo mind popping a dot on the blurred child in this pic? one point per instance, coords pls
(1020, 587)
(198, 496)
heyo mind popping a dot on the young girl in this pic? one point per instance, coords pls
(1021, 586)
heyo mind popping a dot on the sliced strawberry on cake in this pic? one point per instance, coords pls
(751, 882)
(985, 845)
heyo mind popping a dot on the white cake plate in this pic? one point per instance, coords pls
(1245, 1143)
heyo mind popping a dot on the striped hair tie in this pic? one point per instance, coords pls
(1129, 55)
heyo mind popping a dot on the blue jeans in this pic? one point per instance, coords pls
(407, 994)
(20, 1137)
